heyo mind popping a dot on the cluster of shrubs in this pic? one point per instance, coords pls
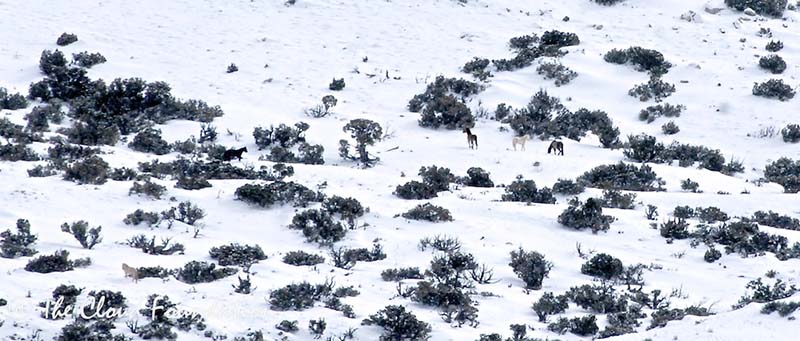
(709, 214)
(186, 212)
(87, 237)
(776, 220)
(278, 193)
(615, 199)
(442, 103)
(366, 133)
(622, 176)
(434, 179)
(429, 212)
(12, 101)
(791, 133)
(670, 128)
(651, 113)
(785, 172)
(764, 293)
(192, 171)
(568, 187)
(774, 88)
(773, 8)
(20, 244)
(158, 312)
(346, 258)
(774, 46)
(526, 191)
(528, 48)
(281, 140)
(580, 215)
(57, 262)
(655, 88)
(546, 117)
(396, 275)
(149, 246)
(645, 148)
(87, 60)
(202, 272)
(237, 255)
(398, 324)
(772, 63)
(302, 258)
(745, 238)
(318, 226)
(643, 60)
(556, 71)
(477, 68)
(476, 177)
(301, 296)
(149, 141)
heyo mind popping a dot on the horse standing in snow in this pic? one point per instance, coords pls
(472, 139)
(557, 147)
(229, 154)
(520, 140)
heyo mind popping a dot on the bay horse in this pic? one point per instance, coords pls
(472, 139)
(557, 147)
(229, 154)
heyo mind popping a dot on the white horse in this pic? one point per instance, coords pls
(520, 140)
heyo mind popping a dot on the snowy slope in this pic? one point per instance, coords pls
(287, 55)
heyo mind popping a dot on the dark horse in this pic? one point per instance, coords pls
(472, 139)
(557, 147)
(233, 153)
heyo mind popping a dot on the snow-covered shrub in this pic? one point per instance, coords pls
(278, 193)
(535, 116)
(585, 215)
(763, 293)
(655, 88)
(560, 73)
(298, 296)
(568, 187)
(773, 8)
(772, 63)
(477, 68)
(550, 304)
(337, 84)
(202, 272)
(689, 185)
(783, 308)
(66, 38)
(712, 255)
(318, 226)
(429, 212)
(662, 316)
(237, 255)
(445, 244)
(232, 68)
(526, 191)
(286, 325)
(785, 172)
(502, 111)
(87, 60)
(87, 237)
(613, 198)
(18, 244)
(346, 258)
(776, 220)
(17, 152)
(476, 177)
(40, 116)
(302, 258)
(398, 324)
(366, 133)
(13, 101)
(643, 60)
(191, 183)
(599, 298)
(42, 171)
(774, 46)
(87, 134)
(653, 112)
(348, 209)
(558, 39)
(150, 141)
(57, 262)
(622, 176)
(774, 88)
(623, 322)
(603, 266)
(676, 228)
(438, 178)
(148, 188)
(91, 170)
(399, 274)
(670, 128)
(581, 326)
(149, 246)
(282, 135)
(710, 214)
(440, 107)
(531, 267)
(415, 190)
(791, 133)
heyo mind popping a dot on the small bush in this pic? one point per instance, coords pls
(653, 112)
(603, 266)
(774, 88)
(398, 324)
(531, 267)
(66, 38)
(396, 275)
(615, 199)
(232, 68)
(526, 191)
(643, 60)
(689, 185)
(287, 326)
(346, 258)
(600, 299)
(348, 209)
(318, 226)
(774, 46)
(149, 246)
(476, 177)
(278, 193)
(581, 326)
(366, 133)
(139, 216)
(429, 212)
(150, 141)
(18, 244)
(560, 73)
(655, 88)
(712, 255)
(87, 60)
(298, 296)
(57, 262)
(608, 2)
(282, 135)
(776, 220)
(415, 190)
(477, 68)
(302, 258)
(585, 215)
(337, 84)
(442, 243)
(148, 188)
(237, 255)
(91, 170)
(675, 229)
(87, 237)
(785, 172)
(763, 293)
(791, 133)
(202, 272)
(549, 304)
(622, 176)
(773, 8)
(783, 308)
(670, 128)
(439, 105)
(662, 316)
(568, 187)
(711, 214)
(772, 63)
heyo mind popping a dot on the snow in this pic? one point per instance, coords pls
(189, 44)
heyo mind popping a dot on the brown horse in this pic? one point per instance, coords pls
(472, 139)
(557, 147)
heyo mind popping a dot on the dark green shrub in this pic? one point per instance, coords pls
(776, 220)
(622, 176)
(298, 296)
(237, 255)
(783, 308)
(148, 188)
(773, 8)
(526, 191)
(585, 215)
(772, 63)
(150, 141)
(318, 226)
(19, 244)
(568, 187)
(655, 88)
(57, 262)
(337, 84)
(87, 60)
(689, 185)
(675, 229)
(560, 73)
(66, 38)
(582, 326)
(477, 68)
(660, 317)
(774, 46)
(302, 258)
(17, 152)
(670, 128)
(653, 112)
(712, 255)
(415, 190)
(601, 299)
(398, 324)
(774, 88)
(396, 275)
(150, 247)
(603, 266)
(139, 216)
(549, 304)
(91, 170)
(365, 132)
(429, 212)
(476, 177)
(785, 172)
(202, 272)
(281, 136)
(791, 133)
(287, 326)
(613, 198)
(278, 192)
(643, 60)
(87, 237)
(531, 267)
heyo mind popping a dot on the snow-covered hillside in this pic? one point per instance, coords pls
(387, 52)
